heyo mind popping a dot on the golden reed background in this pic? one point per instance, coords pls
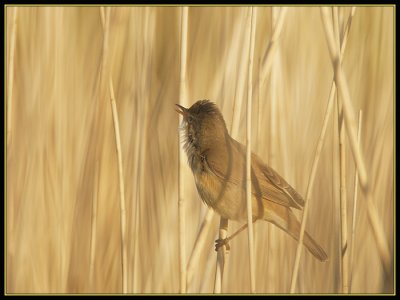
(61, 150)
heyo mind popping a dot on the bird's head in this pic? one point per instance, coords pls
(202, 124)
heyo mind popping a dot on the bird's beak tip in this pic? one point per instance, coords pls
(181, 110)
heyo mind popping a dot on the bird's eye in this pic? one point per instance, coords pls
(190, 119)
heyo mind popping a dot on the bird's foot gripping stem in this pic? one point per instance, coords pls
(222, 242)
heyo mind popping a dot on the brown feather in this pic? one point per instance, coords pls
(266, 182)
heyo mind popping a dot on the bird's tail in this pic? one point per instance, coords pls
(286, 220)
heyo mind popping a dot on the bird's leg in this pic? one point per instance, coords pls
(221, 242)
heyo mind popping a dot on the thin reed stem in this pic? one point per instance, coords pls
(342, 158)
(273, 144)
(102, 16)
(335, 165)
(313, 172)
(181, 203)
(10, 79)
(137, 225)
(345, 96)
(353, 227)
(309, 187)
(105, 20)
(271, 48)
(343, 200)
(221, 257)
(378, 231)
(136, 206)
(253, 20)
(198, 246)
(94, 228)
(240, 88)
(124, 256)
(379, 234)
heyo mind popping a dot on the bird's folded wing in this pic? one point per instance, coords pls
(272, 177)
(232, 168)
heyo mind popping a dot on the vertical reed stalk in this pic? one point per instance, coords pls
(273, 95)
(270, 53)
(105, 20)
(310, 185)
(240, 90)
(94, 227)
(221, 257)
(377, 228)
(342, 158)
(181, 203)
(344, 94)
(273, 141)
(343, 201)
(314, 168)
(337, 253)
(121, 192)
(379, 235)
(207, 277)
(198, 246)
(10, 79)
(253, 20)
(353, 227)
(135, 197)
(137, 224)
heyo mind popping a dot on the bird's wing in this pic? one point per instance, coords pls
(232, 168)
(271, 177)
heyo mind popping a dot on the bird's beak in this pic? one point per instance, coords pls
(181, 110)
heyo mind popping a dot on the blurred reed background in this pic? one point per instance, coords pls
(63, 201)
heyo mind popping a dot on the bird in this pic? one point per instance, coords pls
(218, 164)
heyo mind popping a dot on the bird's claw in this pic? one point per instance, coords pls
(222, 242)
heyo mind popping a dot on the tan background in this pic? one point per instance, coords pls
(61, 152)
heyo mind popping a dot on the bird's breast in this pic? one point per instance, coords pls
(224, 197)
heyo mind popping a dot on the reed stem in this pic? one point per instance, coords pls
(314, 169)
(10, 79)
(353, 227)
(93, 228)
(342, 158)
(181, 202)
(377, 228)
(253, 20)
(198, 246)
(121, 191)
(221, 257)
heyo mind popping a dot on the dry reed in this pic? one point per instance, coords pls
(341, 83)
(269, 54)
(345, 96)
(10, 75)
(221, 257)
(276, 14)
(237, 106)
(252, 26)
(198, 246)
(124, 260)
(355, 198)
(181, 203)
(317, 155)
(93, 227)
(342, 158)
